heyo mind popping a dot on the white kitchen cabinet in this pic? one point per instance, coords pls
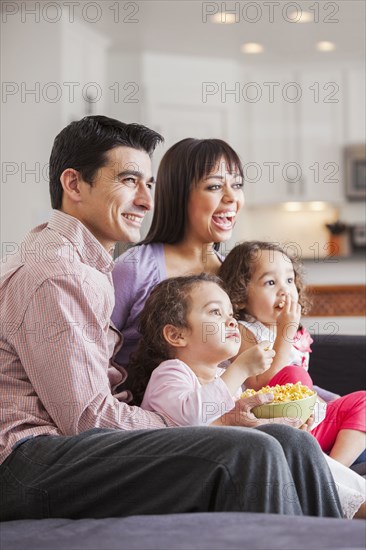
(321, 135)
(295, 137)
(176, 122)
(268, 136)
(83, 72)
(176, 105)
(355, 115)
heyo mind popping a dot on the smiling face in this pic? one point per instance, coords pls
(273, 277)
(213, 205)
(114, 206)
(212, 335)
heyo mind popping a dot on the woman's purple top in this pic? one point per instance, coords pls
(135, 274)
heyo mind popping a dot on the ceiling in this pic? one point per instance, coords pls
(184, 27)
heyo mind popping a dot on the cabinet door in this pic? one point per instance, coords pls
(73, 55)
(83, 67)
(176, 122)
(269, 150)
(355, 114)
(320, 139)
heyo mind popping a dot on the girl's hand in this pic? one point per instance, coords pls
(241, 414)
(255, 360)
(289, 319)
(307, 426)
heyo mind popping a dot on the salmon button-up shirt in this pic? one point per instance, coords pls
(56, 342)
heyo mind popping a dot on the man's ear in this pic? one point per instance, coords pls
(70, 181)
(175, 336)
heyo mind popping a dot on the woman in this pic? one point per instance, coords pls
(198, 197)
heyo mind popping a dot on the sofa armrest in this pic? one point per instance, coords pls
(337, 362)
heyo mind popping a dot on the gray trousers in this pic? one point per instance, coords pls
(110, 473)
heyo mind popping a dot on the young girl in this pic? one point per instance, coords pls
(187, 329)
(189, 321)
(267, 292)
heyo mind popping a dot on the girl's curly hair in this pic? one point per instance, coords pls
(238, 268)
(168, 304)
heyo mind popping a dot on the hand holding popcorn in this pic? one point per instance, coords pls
(256, 359)
(242, 415)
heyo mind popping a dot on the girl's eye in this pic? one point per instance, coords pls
(238, 185)
(270, 282)
(215, 312)
(290, 280)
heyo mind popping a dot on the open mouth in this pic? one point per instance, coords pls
(224, 220)
(280, 305)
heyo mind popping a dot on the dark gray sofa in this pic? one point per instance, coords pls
(337, 364)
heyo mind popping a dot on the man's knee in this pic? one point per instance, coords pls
(288, 434)
(245, 441)
(283, 432)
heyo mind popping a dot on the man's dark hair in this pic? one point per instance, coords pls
(83, 145)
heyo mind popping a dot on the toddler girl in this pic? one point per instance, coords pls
(267, 292)
(187, 328)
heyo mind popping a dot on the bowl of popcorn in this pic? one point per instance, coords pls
(290, 401)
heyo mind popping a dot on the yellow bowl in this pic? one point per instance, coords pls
(302, 408)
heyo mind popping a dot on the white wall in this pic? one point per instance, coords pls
(41, 56)
(125, 85)
(24, 197)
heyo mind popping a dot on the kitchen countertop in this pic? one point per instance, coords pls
(358, 257)
(346, 270)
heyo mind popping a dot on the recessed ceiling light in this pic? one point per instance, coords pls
(325, 46)
(252, 47)
(223, 18)
(304, 17)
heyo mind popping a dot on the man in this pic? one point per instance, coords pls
(70, 447)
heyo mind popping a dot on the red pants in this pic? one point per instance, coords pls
(345, 413)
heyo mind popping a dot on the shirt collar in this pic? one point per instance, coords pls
(88, 247)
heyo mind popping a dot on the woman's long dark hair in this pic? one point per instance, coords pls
(168, 304)
(182, 167)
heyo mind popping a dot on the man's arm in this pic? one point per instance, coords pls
(62, 344)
